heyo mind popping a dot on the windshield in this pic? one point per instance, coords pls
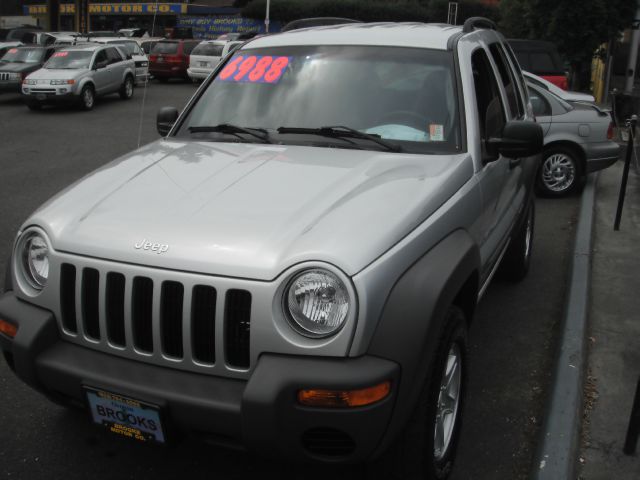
(405, 95)
(23, 55)
(208, 49)
(70, 59)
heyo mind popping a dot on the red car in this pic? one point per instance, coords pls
(541, 58)
(170, 59)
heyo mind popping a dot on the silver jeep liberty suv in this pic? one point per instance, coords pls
(294, 267)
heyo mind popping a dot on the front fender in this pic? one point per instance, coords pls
(413, 318)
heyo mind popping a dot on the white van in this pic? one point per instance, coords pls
(206, 56)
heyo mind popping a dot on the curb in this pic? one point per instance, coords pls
(560, 436)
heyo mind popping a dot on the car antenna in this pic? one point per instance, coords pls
(147, 79)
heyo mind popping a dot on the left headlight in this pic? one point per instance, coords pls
(34, 259)
(317, 303)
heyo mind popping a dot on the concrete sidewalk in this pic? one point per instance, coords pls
(613, 366)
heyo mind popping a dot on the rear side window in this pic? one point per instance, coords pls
(540, 105)
(490, 108)
(208, 49)
(508, 81)
(165, 47)
(542, 62)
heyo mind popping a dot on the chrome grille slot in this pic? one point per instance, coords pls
(115, 308)
(237, 327)
(68, 297)
(90, 313)
(141, 314)
(203, 314)
(171, 318)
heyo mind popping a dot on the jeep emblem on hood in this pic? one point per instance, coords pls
(154, 247)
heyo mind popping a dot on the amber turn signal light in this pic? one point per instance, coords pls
(9, 329)
(344, 398)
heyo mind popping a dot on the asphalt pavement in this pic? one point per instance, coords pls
(513, 337)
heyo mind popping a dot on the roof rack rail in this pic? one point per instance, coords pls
(472, 23)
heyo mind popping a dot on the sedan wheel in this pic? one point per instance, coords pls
(559, 173)
(126, 90)
(87, 98)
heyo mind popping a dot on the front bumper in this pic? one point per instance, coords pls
(261, 414)
(601, 155)
(49, 95)
(10, 86)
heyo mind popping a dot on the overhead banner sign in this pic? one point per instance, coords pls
(212, 27)
(113, 9)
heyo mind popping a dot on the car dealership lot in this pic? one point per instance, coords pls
(512, 339)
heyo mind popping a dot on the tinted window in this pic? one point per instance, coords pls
(132, 48)
(113, 55)
(508, 81)
(489, 105)
(147, 46)
(208, 49)
(101, 58)
(542, 62)
(165, 47)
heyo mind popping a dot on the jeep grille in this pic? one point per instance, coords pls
(143, 316)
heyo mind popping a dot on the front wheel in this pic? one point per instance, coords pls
(87, 98)
(427, 448)
(126, 90)
(560, 172)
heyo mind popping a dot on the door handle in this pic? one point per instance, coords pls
(514, 162)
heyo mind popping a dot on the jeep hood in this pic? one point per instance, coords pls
(249, 210)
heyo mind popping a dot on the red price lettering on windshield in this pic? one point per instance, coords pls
(255, 69)
(13, 50)
(61, 54)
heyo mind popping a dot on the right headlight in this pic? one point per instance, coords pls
(317, 303)
(34, 259)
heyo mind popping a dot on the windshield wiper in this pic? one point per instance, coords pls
(259, 133)
(340, 131)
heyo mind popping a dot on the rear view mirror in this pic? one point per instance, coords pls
(519, 139)
(165, 119)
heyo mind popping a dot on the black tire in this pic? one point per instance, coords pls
(87, 97)
(126, 89)
(34, 106)
(414, 456)
(516, 261)
(560, 172)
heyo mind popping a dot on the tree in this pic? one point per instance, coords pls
(577, 27)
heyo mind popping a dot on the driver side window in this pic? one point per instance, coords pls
(489, 102)
(100, 60)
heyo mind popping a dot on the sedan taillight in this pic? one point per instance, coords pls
(610, 131)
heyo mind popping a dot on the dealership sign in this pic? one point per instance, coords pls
(113, 8)
(211, 27)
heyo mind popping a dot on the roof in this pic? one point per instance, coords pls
(86, 47)
(425, 35)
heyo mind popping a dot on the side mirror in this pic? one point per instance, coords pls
(519, 139)
(165, 119)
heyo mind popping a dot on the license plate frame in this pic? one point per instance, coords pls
(41, 96)
(204, 64)
(115, 412)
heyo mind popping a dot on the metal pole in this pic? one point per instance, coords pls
(625, 172)
(633, 52)
(266, 18)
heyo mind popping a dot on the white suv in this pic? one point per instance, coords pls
(206, 56)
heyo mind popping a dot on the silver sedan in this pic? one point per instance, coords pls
(577, 141)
